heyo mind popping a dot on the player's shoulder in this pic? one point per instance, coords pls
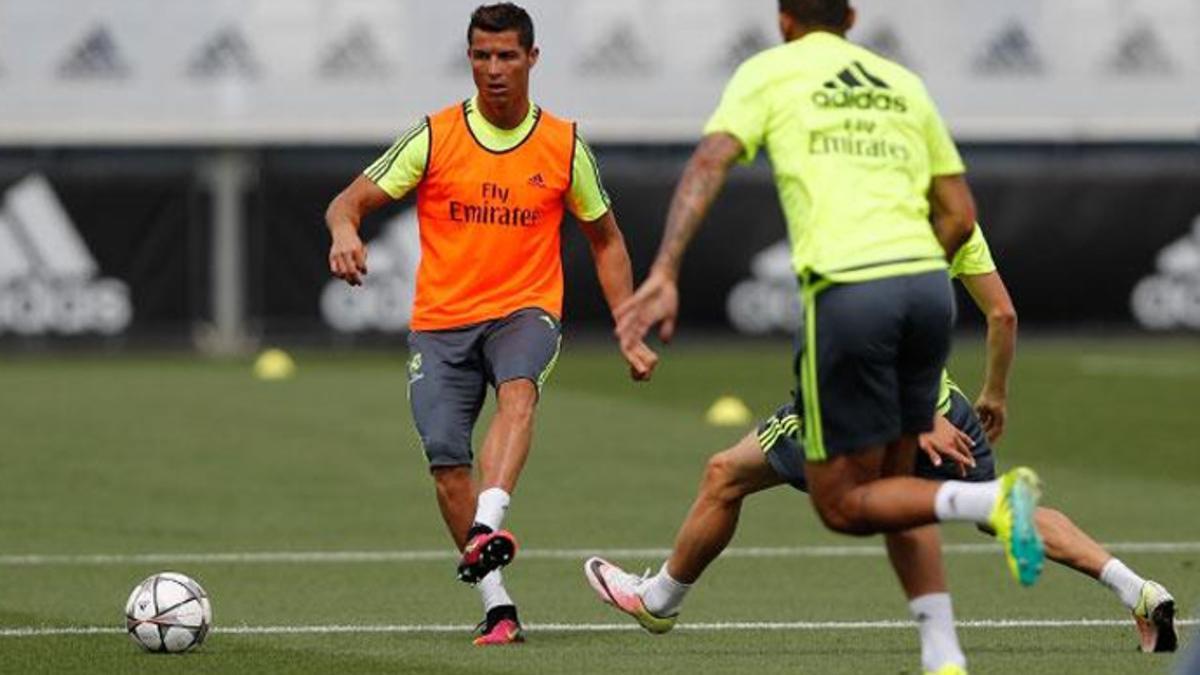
(546, 117)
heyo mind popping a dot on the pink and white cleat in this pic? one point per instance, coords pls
(620, 589)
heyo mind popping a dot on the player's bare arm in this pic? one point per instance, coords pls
(615, 273)
(657, 299)
(347, 254)
(992, 298)
(952, 210)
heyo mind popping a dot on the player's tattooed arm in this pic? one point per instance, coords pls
(698, 188)
(656, 301)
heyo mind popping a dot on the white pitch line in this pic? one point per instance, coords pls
(49, 631)
(261, 557)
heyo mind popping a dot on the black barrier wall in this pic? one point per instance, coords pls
(115, 245)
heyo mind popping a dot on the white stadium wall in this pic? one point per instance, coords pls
(355, 71)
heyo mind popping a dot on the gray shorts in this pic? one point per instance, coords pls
(872, 360)
(778, 438)
(449, 370)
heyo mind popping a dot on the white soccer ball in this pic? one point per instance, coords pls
(168, 612)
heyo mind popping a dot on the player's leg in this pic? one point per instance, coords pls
(1151, 604)
(729, 477)
(848, 385)
(446, 391)
(518, 353)
(916, 557)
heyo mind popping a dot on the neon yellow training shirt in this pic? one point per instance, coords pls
(854, 140)
(401, 168)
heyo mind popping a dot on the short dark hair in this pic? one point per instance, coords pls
(500, 17)
(828, 13)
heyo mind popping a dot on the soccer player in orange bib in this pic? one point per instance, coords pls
(493, 176)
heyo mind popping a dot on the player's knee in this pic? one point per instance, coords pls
(840, 516)
(721, 479)
(448, 459)
(517, 400)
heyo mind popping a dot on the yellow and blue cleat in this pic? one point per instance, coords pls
(1012, 519)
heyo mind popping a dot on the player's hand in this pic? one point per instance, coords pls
(656, 301)
(947, 440)
(993, 412)
(642, 361)
(347, 255)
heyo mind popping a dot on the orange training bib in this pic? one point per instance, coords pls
(490, 223)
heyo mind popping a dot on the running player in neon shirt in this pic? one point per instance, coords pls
(493, 176)
(771, 456)
(863, 164)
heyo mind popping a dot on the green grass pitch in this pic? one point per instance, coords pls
(183, 457)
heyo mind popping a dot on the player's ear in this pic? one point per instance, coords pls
(534, 53)
(787, 25)
(851, 17)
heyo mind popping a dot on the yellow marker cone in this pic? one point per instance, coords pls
(274, 364)
(728, 411)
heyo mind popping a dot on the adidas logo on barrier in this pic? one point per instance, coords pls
(225, 54)
(618, 53)
(769, 301)
(1141, 52)
(854, 87)
(384, 301)
(96, 57)
(1011, 52)
(1170, 298)
(357, 54)
(48, 279)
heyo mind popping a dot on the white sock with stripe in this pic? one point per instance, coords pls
(970, 502)
(491, 507)
(661, 594)
(935, 623)
(492, 591)
(1122, 581)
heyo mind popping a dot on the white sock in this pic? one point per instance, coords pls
(1122, 581)
(935, 623)
(492, 591)
(491, 507)
(970, 502)
(662, 595)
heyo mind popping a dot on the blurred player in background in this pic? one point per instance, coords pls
(772, 455)
(493, 176)
(862, 162)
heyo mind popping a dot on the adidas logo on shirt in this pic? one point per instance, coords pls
(855, 88)
(49, 281)
(536, 180)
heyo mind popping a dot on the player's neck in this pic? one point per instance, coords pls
(507, 115)
(803, 30)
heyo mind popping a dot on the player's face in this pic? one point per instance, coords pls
(500, 66)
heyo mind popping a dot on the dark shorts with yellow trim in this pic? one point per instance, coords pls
(449, 371)
(778, 438)
(871, 360)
